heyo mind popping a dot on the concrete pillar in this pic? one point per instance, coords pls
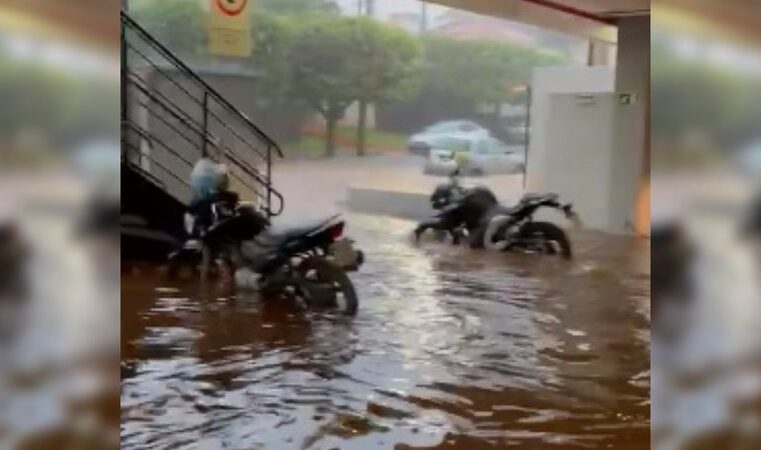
(631, 201)
(600, 53)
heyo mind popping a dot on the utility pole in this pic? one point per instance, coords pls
(423, 17)
(362, 104)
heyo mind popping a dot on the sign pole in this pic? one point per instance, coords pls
(527, 138)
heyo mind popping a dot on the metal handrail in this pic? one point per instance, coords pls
(244, 166)
(198, 80)
(185, 126)
(199, 103)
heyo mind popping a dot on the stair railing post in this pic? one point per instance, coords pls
(269, 180)
(123, 81)
(205, 150)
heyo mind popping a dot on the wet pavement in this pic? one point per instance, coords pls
(451, 348)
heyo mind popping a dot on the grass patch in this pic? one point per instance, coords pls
(306, 146)
(377, 142)
(377, 139)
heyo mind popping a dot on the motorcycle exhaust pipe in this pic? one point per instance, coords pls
(494, 225)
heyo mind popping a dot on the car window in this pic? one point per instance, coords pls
(450, 143)
(498, 147)
(482, 147)
(442, 127)
(445, 143)
(468, 127)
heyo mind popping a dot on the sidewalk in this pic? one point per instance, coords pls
(316, 187)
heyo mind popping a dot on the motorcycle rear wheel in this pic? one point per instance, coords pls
(325, 284)
(555, 237)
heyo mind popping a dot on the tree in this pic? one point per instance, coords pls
(273, 104)
(385, 63)
(178, 24)
(336, 61)
(694, 99)
(298, 7)
(273, 38)
(42, 99)
(482, 71)
(460, 76)
(321, 71)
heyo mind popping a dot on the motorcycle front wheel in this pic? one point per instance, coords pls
(324, 284)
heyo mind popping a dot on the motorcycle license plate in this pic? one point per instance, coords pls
(344, 254)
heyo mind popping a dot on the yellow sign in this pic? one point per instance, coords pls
(230, 28)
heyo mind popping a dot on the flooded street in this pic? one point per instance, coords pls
(58, 384)
(451, 348)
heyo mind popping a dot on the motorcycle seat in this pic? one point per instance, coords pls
(276, 236)
(537, 197)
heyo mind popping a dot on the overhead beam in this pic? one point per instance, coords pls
(542, 13)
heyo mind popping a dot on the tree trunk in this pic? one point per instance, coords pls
(361, 128)
(330, 137)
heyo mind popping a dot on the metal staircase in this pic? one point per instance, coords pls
(171, 117)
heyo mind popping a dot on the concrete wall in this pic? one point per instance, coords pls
(598, 154)
(580, 166)
(556, 80)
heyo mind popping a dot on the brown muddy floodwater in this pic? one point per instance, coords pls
(451, 349)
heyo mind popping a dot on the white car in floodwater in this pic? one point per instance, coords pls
(477, 155)
(421, 143)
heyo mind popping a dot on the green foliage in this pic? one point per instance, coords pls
(178, 24)
(273, 39)
(384, 61)
(33, 98)
(296, 7)
(322, 72)
(480, 71)
(338, 60)
(693, 99)
(54, 104)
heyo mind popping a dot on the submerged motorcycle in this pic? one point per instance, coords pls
(514, 228)
(476, 214)
(308, 263)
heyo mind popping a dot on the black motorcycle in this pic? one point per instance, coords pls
(513, 228)
(475, 213)
(307, 263)
(459, 210)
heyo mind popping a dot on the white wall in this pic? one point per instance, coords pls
(596, 155)
(580, 167)
(555, 80)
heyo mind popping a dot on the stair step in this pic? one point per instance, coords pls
(148, 233)
(133, 220)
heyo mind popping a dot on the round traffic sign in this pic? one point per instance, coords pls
(232, 7)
